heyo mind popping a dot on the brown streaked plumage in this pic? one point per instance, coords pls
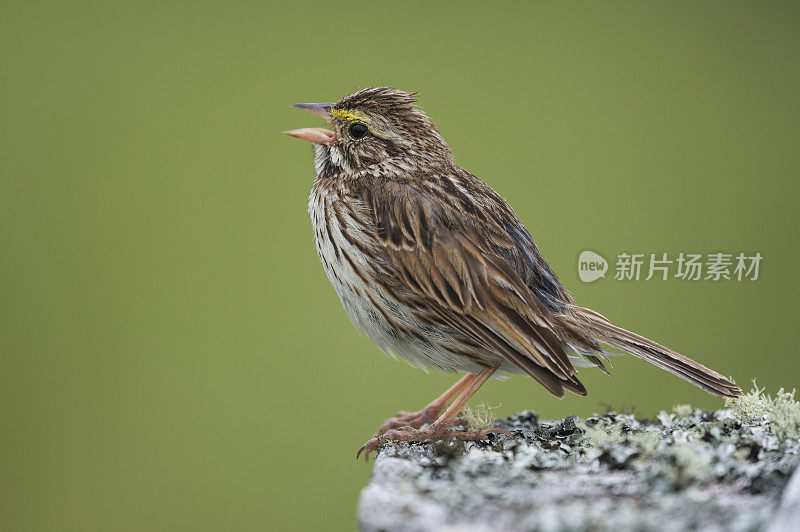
(436, 267)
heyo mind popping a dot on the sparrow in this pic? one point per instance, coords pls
(436, 268)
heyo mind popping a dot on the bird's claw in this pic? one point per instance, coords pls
(369, 446)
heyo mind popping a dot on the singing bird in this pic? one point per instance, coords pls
(435, 267)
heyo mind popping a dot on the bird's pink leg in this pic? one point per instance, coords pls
(465, 388)
(430, 413)
(449, 415)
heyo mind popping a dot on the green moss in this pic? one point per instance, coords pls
(481, 417)
(782, 412)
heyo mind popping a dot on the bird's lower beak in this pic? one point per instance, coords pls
(317, 135)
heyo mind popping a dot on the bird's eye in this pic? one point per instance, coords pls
(358, 130)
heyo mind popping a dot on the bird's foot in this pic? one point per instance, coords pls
(406, 420)
(434, 431)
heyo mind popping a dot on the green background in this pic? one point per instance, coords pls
(172, 354)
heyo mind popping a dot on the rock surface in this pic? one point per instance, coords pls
(698, 470)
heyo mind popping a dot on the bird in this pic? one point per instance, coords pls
(436, 268)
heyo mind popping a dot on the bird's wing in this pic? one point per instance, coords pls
(454, 259)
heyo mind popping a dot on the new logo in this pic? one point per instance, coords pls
(591, 266)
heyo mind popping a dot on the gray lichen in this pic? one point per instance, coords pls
(686, 469)
(782, 412)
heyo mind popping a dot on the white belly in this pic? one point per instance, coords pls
(390, 325)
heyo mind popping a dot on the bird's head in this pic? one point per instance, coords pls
(374, 126)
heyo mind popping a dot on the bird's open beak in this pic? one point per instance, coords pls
(317, 135)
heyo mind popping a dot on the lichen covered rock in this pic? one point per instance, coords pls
(686, 469)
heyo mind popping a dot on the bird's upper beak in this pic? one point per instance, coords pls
(317, 135)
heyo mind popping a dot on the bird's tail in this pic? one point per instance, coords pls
(597, 328)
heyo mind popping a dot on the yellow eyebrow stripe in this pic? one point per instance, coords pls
(347, 115)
